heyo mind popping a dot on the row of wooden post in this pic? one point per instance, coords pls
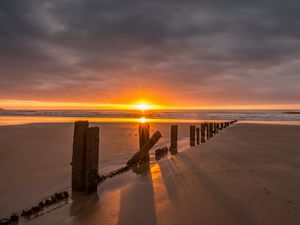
(206, 131)
(85, 158)
(144, 135)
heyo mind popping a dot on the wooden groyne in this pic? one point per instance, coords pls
(85, 175)
(85, 161)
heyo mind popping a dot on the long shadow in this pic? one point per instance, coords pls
(137, 203)
(237, 213)
(173, 182)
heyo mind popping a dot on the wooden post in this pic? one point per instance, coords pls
(232, 122)
(174, 138)
(207, 131)
(192, 135)
(210, 130)
(198, 136)
(202, 132)
(213, 128)
(143, 154)
(218, 127)
(92, 159)
(79, 155)
(144, 134)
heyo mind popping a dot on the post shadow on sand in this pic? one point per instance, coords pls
(173, 184)
(233, 208)
(137, 203)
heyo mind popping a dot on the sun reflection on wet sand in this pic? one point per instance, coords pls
(161, 198)
(16, 120)
(137, 203)
(143, 120)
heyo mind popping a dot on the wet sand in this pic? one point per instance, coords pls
(35, 158)
(249, 174)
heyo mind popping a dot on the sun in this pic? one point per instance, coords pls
(143, 106)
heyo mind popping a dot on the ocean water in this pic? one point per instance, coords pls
(21, 116)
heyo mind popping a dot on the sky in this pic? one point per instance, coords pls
(169, 53)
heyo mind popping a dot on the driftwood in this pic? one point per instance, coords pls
(142, 155)
(161, 152)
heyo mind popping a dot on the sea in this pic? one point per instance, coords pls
(12, 117)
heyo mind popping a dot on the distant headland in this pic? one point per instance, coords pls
(293, 112)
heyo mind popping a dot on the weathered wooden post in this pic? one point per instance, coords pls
(92, 159)
(143, 154)
(218, 127)
(210, 130)
(202, 132)
(144, 135)
(198, 136)
(233, 121)
(192, 135)
(79, 155)
(207, 131)
(213, 128)
(174, 139)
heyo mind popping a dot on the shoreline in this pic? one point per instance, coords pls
(23, 120)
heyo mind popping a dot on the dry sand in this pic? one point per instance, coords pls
(249, 174)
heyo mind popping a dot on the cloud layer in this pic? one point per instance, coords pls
(181, 52)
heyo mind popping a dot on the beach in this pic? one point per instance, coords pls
(149, 112)
(35, 158)
(248, 174)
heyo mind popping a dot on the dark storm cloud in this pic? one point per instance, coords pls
(201, 48)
